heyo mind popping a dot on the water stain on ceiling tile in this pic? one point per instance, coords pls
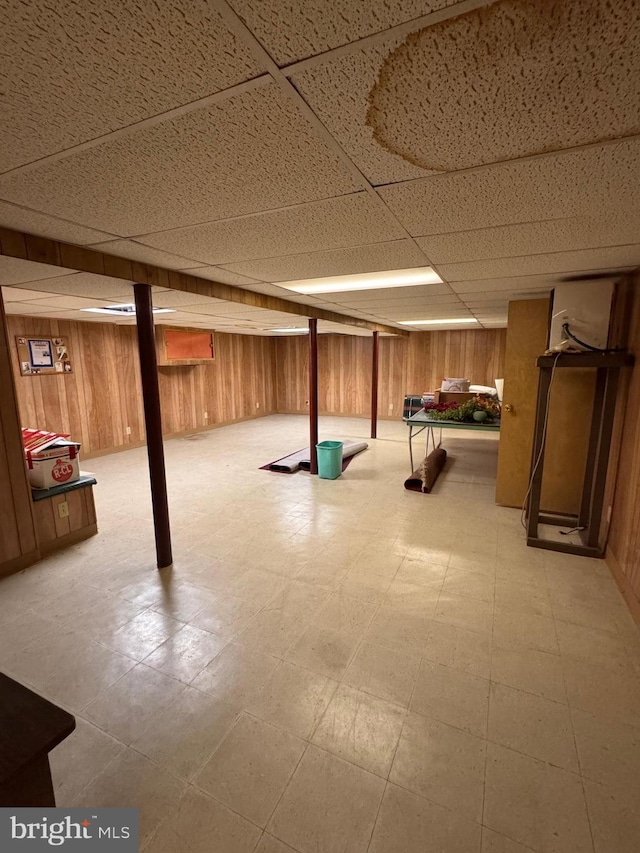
(516, 78)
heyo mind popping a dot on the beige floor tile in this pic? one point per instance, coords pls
(269, 844)
(293, 699)
(329, 805)
(321, 574)
(106, 616)
(236, 674)
(343, 613)
(535, 804)
(529, 670)
(257, 586)
(225, 616)
(514, 570)
(324, 651)
(615, 818)
(532, 725)
(183, 735)
(441, 763)
(493, 842)
(125, 708)
(182, 600)
(383, 672)
(453, 697)
(361, 729)
(422, 572)
(272, 631)
(186, 653)
(605, 694)
(598, 614)
(201, 825)
(409, 824)
(251, 767)
(469, 584)
(461, 649)
(77, 761)
(511, 629)
(467, 613)
(522, 598)
(413, 598)
(139, 637)
(398, 630)
(364, 586)
(429, 553)
(609, 752)
(132, 780)
(472, 559)
(298, 597)
(595, 647)
(23, 631)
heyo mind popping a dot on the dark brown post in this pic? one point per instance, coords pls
(374, 387)
(313, 394)
(153, 423)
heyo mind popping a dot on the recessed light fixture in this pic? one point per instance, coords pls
(125, 310)
(437, 322)
(364, 281)
(299, 330)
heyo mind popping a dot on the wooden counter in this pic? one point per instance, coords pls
(54, 528)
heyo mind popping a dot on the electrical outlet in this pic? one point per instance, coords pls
(205, 415)
(63, 510)
(127, 430)
(257, 405)
(390, 407)
(608, 515)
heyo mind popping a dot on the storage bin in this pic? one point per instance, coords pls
(329, 459)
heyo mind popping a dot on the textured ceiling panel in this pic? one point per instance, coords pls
(180, 299)
(382, 305)
(145, 254)
(489, 288)
(102, 66)
(295, 29)
(516, 78)
(67, 302)
(557, 235)
(18, 294)
(396, 254)
(251, 152)
(590, 182)
(221, 275)
(21, 219)
(88, 284)
(361, 297)
(561, 262)
(350, 220)
(16, 271)
(337, 91)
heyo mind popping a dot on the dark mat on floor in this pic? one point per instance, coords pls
(300, 460)
(423, 479)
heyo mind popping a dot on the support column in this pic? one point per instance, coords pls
(313, 394)
(374, 386)
(153, 423)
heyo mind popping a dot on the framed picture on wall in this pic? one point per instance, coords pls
(42, 356)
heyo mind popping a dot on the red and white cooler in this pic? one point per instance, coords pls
(52, 460)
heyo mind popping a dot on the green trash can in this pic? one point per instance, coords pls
(329, 459)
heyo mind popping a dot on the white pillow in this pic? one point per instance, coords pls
(458, 385)
(483, 389)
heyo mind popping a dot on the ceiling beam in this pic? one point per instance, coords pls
(29, 247)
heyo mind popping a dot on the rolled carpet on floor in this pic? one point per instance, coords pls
(302, 458)
(424, 477)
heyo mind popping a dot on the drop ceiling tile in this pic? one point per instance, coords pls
(597, 181)
(121, 61)
(145, 254)
(531, 238)
(182, 298)
(17, 294)
(251, 152)
(361, 297)
(330, 223)
(559, 262)
(338, 91)
(67, 302)
(25, 308)
(491, 288)
(391, 255)
(383, 304)
(87, 284)
(221, 275)
(273, 290)
(295, 29)
(17, 271)
(32, 222)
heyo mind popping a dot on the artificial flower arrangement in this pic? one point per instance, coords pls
(478, 409)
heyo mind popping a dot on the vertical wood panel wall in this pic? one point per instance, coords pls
(407, 366)
(102, 397)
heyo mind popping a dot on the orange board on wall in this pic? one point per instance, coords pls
(188, 344)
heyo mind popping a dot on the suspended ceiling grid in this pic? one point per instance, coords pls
(321, 137)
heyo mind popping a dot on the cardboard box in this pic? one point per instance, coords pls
(52, 459)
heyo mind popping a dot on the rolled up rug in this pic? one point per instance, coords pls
(426, 474)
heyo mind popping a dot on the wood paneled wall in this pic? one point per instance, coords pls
(18, 544)
(407, 366)
(102, 397)
(624, 532)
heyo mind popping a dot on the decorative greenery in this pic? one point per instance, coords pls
(462, 412)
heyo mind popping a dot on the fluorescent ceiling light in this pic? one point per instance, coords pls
(364, 281)
(125, 310)
(436, 322)
(299, 330)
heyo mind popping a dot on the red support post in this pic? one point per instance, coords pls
(313, 394)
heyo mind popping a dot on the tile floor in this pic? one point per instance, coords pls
(333, 665)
